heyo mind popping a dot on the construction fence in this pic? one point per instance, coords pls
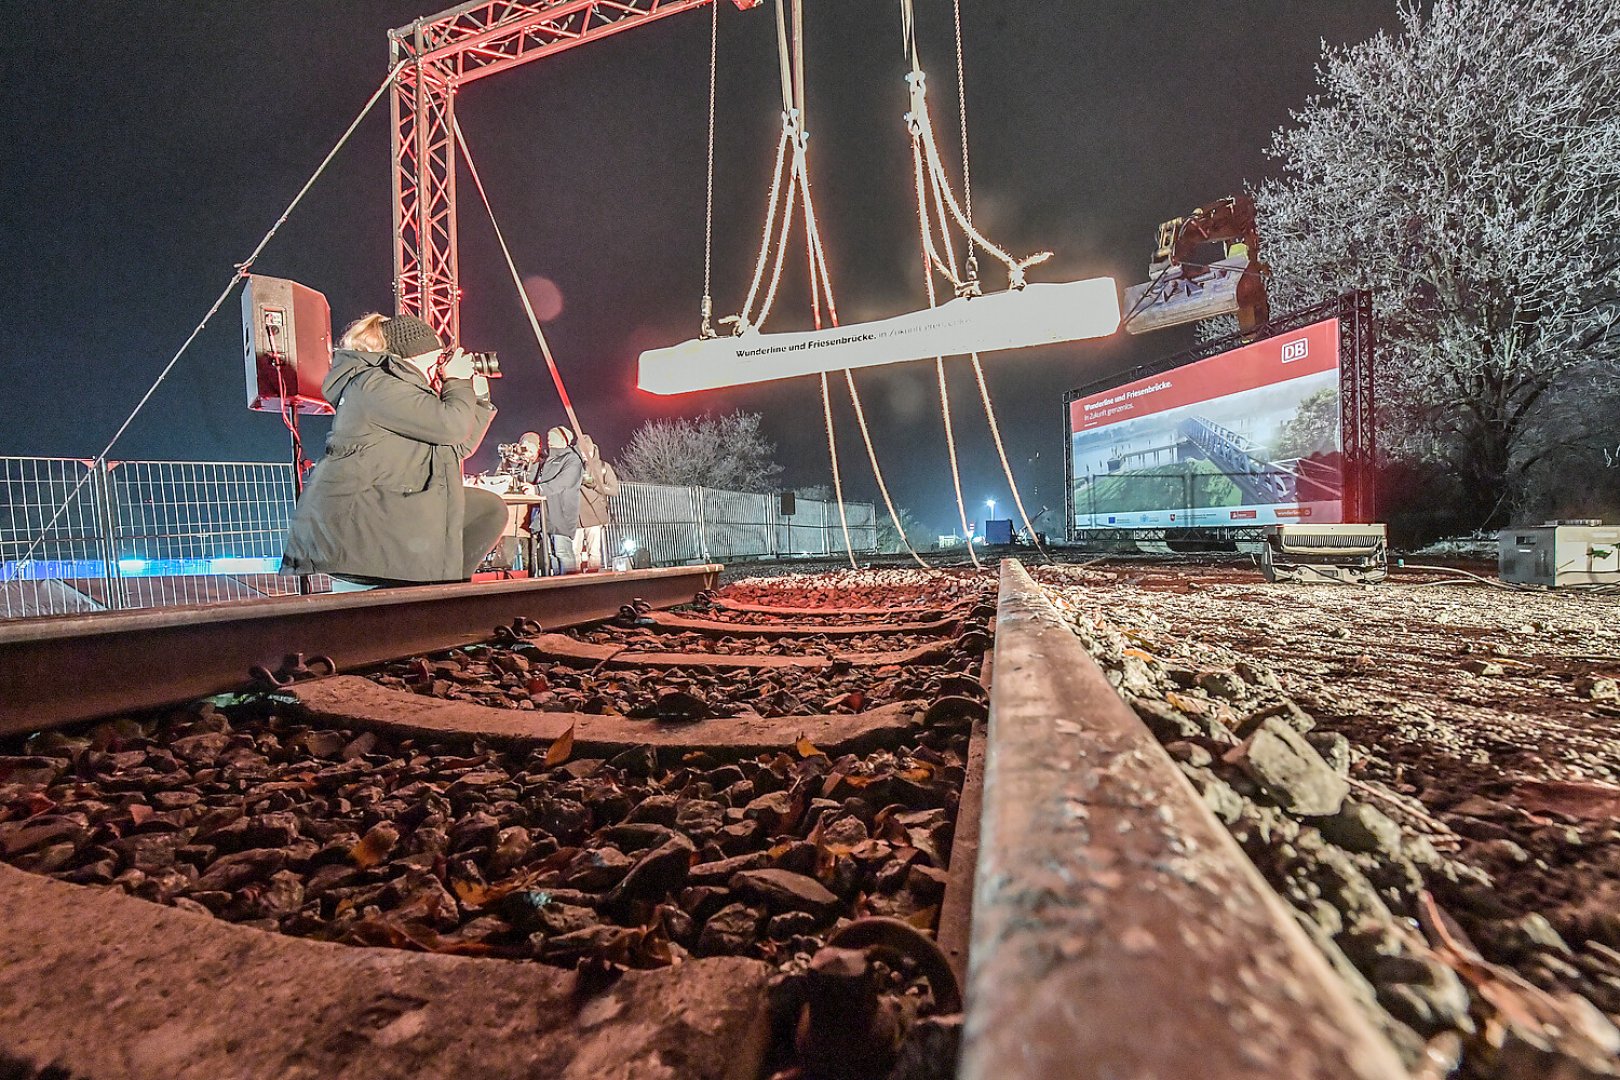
(77, 536)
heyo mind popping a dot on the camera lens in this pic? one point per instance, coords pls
(486, 364)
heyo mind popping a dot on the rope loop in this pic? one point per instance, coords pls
(706, 331)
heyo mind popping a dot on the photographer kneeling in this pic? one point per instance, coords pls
(386, 505)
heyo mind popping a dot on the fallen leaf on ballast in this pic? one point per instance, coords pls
(559, 751)
(374, 847)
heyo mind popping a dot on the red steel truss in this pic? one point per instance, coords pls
(440, 53)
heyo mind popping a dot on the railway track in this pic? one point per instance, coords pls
(757, 837)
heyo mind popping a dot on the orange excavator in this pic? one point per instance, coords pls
(1182, 290)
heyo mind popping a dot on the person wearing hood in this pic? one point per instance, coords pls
(386, 505)
(558, 478)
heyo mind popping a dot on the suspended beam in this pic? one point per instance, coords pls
(1045, 314)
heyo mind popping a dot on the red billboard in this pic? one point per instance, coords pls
(1250, 436)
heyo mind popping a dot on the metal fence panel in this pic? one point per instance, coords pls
(862, 525)
(663, 520)
(161, 533)
(736, 525)
(56, 501)
(858, 517)
(803, 532)
(197, 532)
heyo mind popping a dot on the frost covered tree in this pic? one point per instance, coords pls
(1466, 169)
(728, 452)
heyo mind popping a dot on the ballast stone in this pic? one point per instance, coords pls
(783, 890)
(1359, 827)
(1289, 770)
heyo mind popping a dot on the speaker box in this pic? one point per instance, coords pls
(787, 504)
(287, 344)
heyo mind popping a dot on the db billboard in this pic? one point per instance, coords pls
(1250, 436)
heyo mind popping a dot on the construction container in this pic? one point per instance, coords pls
(1560, 553)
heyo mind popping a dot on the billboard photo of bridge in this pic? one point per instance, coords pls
(1245, 437)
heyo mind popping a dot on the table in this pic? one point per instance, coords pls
(517, 512)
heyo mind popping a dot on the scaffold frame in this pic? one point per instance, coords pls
(1357, 416)
(438, 54)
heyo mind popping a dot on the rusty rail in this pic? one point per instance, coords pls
(60, 670)
(1118, 930)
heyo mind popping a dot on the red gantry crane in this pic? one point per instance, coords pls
(438, 54)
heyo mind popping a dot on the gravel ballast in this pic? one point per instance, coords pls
(1426, 772)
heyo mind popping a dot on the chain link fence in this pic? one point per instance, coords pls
(79, 537)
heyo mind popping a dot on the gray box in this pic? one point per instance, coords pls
(1560, 555)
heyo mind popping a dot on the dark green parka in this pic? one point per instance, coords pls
(387, 499)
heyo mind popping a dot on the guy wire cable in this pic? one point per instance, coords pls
(517, 280)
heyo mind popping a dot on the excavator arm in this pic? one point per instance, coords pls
(1181, 290)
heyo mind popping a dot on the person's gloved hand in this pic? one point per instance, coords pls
(460, 366)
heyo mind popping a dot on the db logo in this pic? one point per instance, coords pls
(1295, 350)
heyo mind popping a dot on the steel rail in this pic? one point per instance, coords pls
(61, 670)
(1118, 929)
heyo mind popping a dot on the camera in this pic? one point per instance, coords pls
(485, 364)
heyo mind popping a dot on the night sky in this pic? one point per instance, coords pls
(149, 146)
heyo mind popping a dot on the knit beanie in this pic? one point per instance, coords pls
(409, 336)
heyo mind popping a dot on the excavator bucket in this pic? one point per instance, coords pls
(1187, 293)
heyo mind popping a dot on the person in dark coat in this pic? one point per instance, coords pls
(558, 478)
(386, 505)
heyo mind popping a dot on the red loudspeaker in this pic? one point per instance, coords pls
(287, 343)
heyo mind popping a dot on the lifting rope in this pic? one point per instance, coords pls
(972, 269)
(792, 170)
(243, 270)
(933, 187)
(924, 144)
(961, 112)
(819, 276)
(707, 311)
(931, 261)
(922, 130)
(793, 105)
(517, 280)
(821, 285)
(929, 257)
